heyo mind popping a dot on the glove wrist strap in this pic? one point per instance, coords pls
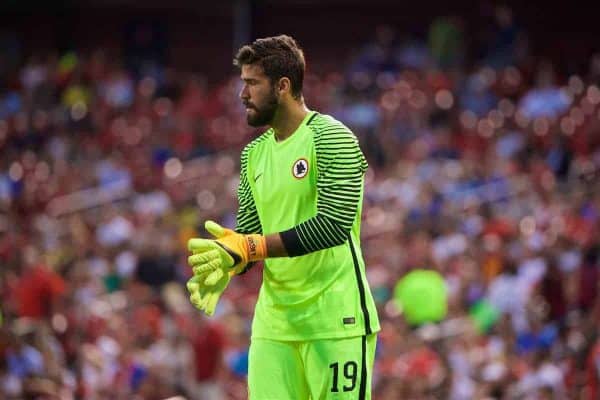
(257, 247)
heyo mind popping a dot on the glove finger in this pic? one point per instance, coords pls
(215, 229)
(199, 245)
(196, 281)
(211, 303)
(195, 299)
(192, 285)
(214, 277)
(201, 270)
(226, 257)
(201, 300)
(208, 267)
(201, 258)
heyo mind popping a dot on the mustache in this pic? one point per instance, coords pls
(248, 104)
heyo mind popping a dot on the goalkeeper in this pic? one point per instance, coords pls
(300, 199)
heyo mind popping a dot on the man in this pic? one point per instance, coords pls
(300, 200)
(209, 347)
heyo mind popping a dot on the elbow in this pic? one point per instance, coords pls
(341, 232)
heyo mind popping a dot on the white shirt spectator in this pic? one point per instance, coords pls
(509, 294)
(115, 232)
(156, 203)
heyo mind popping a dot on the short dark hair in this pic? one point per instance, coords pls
(279, 56)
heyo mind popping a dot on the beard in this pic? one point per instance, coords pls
(263, 115)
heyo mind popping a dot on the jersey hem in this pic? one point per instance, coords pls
(328, 335)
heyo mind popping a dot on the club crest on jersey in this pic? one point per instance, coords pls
(300, 168)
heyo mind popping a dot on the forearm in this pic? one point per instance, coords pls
(275, 246)
(327, 233)
(317, 233)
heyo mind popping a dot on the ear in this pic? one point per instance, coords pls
(284, 85)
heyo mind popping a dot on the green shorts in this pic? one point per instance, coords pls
(316, 369)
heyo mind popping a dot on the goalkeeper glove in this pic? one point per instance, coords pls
(235, 250)
(206, 288)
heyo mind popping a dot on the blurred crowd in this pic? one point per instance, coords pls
(483, 166)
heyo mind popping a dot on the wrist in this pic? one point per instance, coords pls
(275, 246)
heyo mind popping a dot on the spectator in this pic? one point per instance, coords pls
(38, 290)
(209, 345)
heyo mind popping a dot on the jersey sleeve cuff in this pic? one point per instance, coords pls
(292, 244)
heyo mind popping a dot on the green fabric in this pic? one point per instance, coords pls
(309, 296)
(483, 315)
(326, 369)
(422, 296)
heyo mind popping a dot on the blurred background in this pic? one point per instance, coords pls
(120, 133)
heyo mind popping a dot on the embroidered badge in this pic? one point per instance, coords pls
(300, 168)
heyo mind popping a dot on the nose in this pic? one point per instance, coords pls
(244, 93)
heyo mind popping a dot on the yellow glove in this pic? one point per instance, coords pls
(235, 250)
(204, 296)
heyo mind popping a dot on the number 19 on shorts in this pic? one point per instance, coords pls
(346, 381)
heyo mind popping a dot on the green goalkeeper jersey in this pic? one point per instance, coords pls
(308, 187)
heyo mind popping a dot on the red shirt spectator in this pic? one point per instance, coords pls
(209, 344)
(37, 290)
(552, 290)
(592, 387)
(589, 279)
